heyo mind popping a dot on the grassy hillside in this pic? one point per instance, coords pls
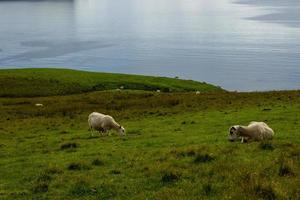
(48, 82)
(176, 147)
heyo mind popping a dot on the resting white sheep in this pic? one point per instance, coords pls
(104, 123)
(256, 131)
(39, 105)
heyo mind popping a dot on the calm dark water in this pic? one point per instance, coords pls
(245, 45)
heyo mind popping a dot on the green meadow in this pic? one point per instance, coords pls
(49, 82)
(176, 145)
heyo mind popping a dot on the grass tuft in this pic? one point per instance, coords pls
(69, 145)
(64, 132)
(97, 162)
(78, 166)
(81, 188)
(115, 171)
(285, 170)
(106, 191)
(203, 158)
(266, 146)
(169, 177)
(53, 170)
(187, 153)
(207, 189)
(266, 193)
(44, 177)
(40, 187)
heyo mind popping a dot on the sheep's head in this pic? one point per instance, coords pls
(233, 133)
(122, 131)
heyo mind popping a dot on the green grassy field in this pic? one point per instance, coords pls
(48, 82)
(176, 147)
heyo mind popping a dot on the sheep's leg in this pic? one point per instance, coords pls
(242, 141)
(92, 131)
(101, 132)
(106, 132)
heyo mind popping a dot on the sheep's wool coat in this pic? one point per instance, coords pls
(101, 122)
(259, 131)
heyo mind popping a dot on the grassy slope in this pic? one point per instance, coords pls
(176, 147)
(47, 82)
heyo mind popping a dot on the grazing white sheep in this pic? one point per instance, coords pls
(103, 123)
(158, 91)
(198, 92)
(256, 131)
(39, 105)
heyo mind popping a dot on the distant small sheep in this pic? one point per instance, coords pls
(256, 131)
(198, 92)
(122, 87)
(103, 123)
(158, 91)
(39, 105)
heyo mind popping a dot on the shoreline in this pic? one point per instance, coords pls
(113, 81)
